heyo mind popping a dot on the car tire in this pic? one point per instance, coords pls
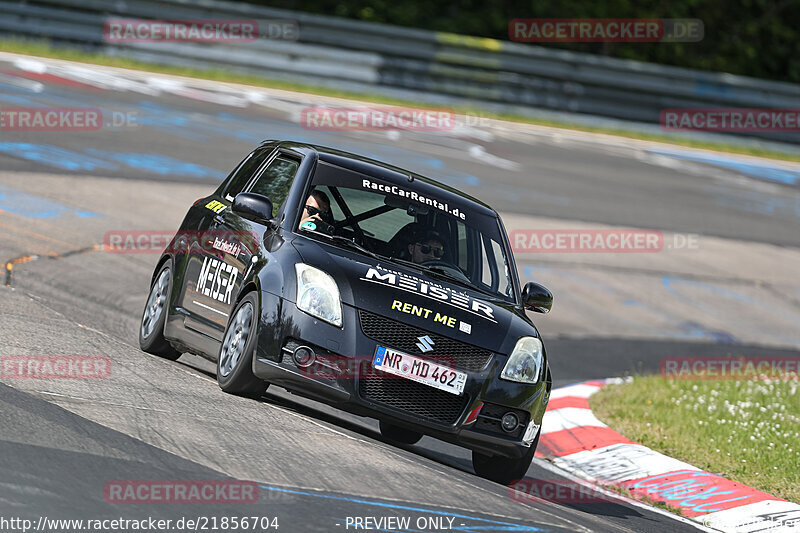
(503, 470)
(154, 316)
(235, 361)
(398, 434)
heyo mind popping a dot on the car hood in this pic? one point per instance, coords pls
(406, 295)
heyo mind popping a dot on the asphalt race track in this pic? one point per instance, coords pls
(725, 283)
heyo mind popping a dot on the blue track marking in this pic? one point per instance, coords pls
(179, 123)
(669, 283)
(240, 125)
(680, 330)
(696, 294)
(484, 524)
(21, 101)
(31, 206)
(55, 157)
(159, 164)
(756, 202)
(763, 171)
(94, 159)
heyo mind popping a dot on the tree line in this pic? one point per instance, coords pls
(759, 38)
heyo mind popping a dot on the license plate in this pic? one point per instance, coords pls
(420, 370)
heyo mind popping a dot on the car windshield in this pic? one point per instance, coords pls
(408, 225)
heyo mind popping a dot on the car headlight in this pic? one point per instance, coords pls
(525, 362)
(318, 294)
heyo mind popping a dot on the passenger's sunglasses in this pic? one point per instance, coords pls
(315, 211)
(437, 251)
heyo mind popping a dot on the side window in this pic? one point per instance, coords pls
(276, 180)
(462, 247)
(503, 278)
(486, 273)
(246, 170)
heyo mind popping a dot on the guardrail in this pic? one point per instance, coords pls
(435, 67)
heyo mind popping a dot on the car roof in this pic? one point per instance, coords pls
(379, 169)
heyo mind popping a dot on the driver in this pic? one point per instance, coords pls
(317, 211)
(428, 246)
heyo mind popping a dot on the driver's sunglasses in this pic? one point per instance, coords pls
(437, 251)
(314, 211)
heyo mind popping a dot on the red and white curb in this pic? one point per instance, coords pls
(575, 440)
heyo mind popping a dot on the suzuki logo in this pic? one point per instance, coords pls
(425, 343)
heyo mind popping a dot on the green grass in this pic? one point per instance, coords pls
(747, 431)
(43, 49)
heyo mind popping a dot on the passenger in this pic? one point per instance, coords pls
(317, 212)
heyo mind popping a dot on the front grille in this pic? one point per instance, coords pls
(489, 420)
(409, 396)
(403, 337)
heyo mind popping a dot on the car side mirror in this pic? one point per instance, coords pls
(537, 298)
(252, 206)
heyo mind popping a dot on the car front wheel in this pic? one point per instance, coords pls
(235, 362)
(503, 470)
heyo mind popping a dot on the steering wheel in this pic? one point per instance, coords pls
(436, 262)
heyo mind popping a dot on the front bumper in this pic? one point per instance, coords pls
(342, 377)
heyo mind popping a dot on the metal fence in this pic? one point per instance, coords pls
(427, 66)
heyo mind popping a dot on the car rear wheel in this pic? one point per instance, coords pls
(235, 362)
(398, 434)
(151, 329)
(503, 470)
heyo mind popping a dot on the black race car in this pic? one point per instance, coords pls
(364, 286)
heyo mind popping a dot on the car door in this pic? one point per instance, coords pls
(238, 242)
(212, 264)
